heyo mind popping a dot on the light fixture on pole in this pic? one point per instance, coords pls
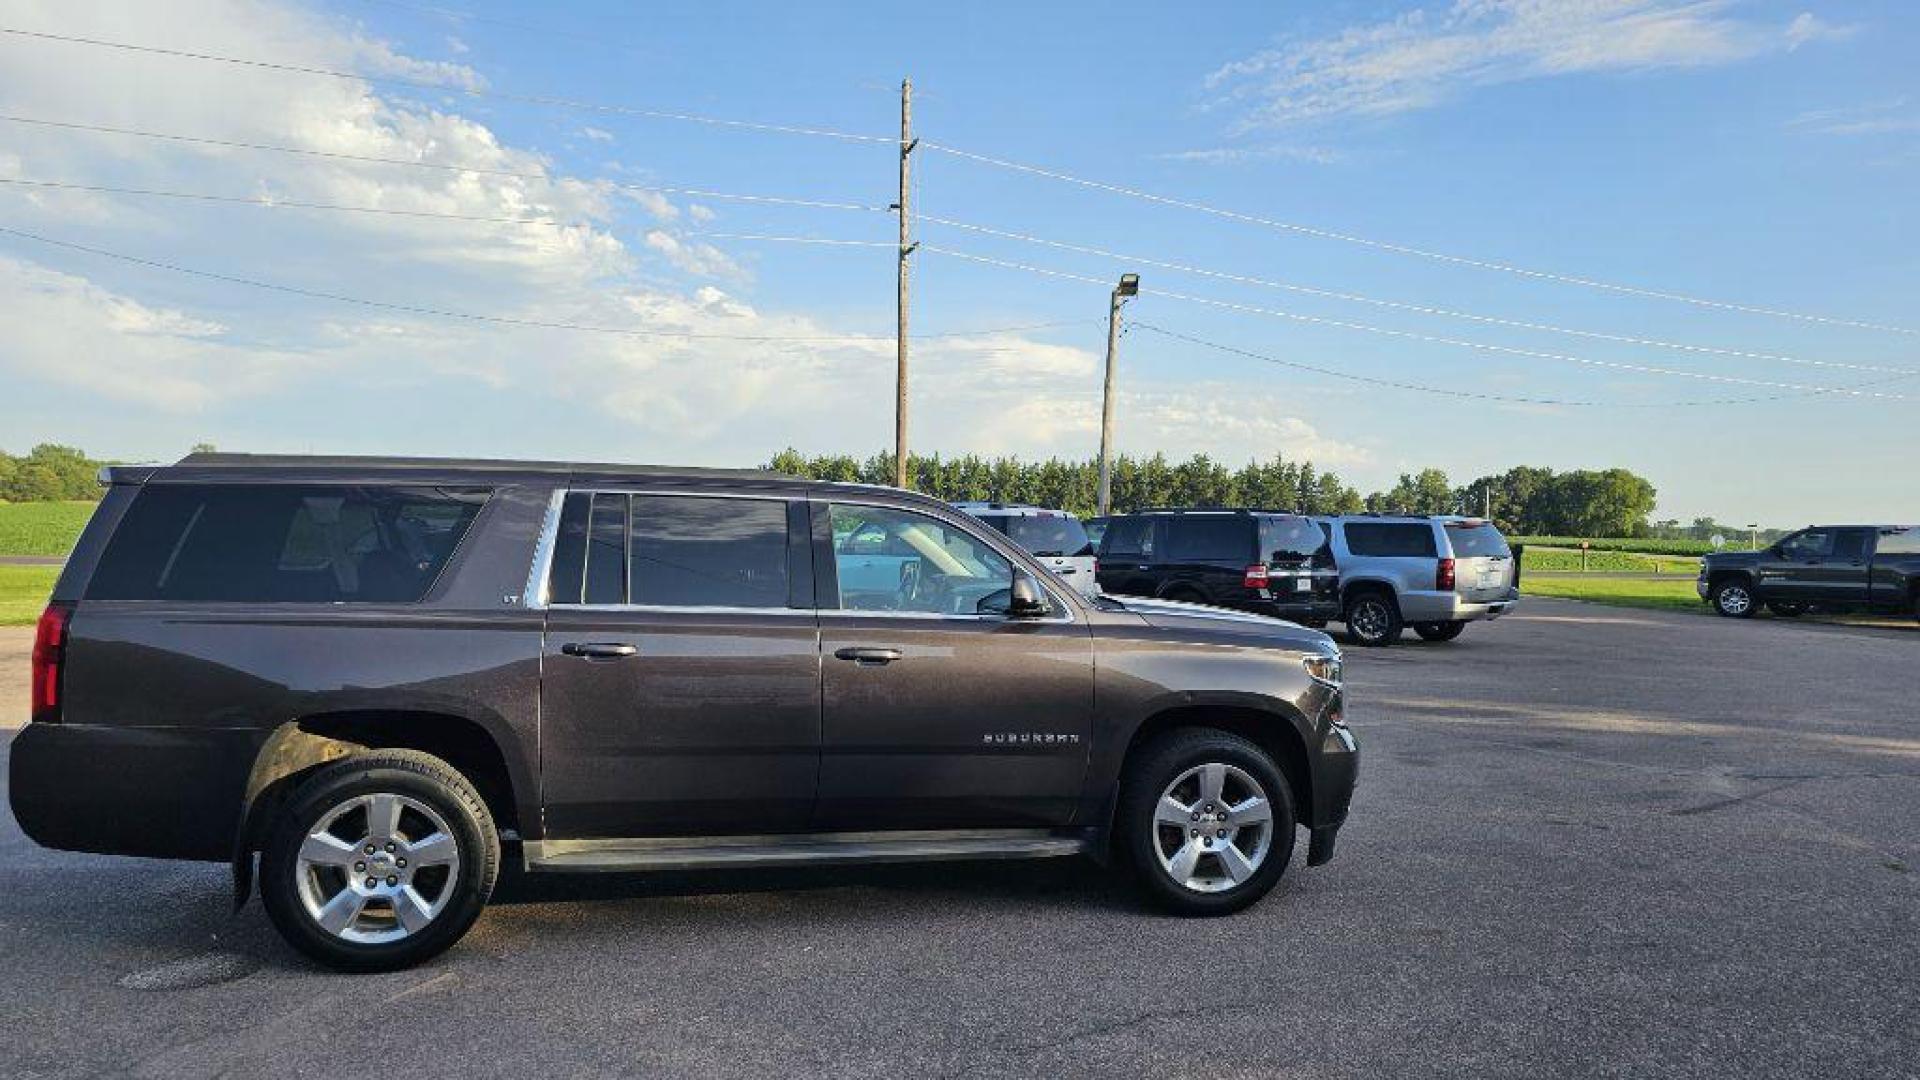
(1129, 287)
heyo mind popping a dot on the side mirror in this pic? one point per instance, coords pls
(1026, 599)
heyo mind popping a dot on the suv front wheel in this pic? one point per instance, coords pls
(379, 861)
(1372, 618)
(1734, 599)
(1207, 818)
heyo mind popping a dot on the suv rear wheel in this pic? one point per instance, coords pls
(379, 861)
(1439, 631)
(1207, 819)
(1372, 618)
(1734, 599)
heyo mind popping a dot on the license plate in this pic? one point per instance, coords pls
(1301, 584)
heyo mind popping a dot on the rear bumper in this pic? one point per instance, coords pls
(171, 793)
(1452, 607)
(1318, 609)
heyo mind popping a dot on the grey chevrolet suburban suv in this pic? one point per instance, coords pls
(1435, 574)
(369, 681)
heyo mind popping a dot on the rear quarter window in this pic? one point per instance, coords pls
(277, 543)
(1379, 539)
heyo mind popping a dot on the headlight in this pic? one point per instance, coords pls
(1324, 668)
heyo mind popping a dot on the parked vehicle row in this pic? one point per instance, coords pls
(374, 681)
(1826, 568)
(1377, 574)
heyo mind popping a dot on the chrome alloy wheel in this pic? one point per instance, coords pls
(377, 868)
(1370, 619)
(1212, 828)
(1735, 599)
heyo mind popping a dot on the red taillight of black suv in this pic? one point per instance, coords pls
(49, 655)
(1443, 578)
(1255, 576)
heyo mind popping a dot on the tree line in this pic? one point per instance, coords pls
(48, 472)
(1138, 482)
(1529, 500)
(1525, 500)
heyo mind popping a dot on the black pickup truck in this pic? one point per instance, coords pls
(1828, 567)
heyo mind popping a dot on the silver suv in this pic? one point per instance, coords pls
(1435, 574)
(1055, 537)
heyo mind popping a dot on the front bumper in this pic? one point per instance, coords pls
(1337, 770)
(171, 793)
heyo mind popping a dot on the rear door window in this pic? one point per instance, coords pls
(1129, 538)
(1850, 545)
(1209, 538)
(282, 543)
(1380, 539)
(674, 551)
(1477, 540)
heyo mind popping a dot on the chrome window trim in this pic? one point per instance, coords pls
(535, 594)
(690, 609)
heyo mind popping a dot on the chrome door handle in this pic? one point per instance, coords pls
(867, 656)
(600, 650)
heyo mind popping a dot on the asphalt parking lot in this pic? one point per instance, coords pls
(1587, 841)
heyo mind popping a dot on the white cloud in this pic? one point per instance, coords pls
(700, 260)
(64, 329)
(597, 134)
(1898, 116)
(1807, 27)
(1421, 59)
(1240, 155)
(700, 214)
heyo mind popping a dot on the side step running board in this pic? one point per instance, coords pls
(820, 849)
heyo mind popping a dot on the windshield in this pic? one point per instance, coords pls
(1477, 540)
(1044, 534)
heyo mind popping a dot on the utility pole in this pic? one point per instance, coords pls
(907, 143)
(1129, 286)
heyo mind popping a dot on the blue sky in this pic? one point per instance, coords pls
(1755, 153)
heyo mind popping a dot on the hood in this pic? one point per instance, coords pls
(1214, 621)
(1731, 558)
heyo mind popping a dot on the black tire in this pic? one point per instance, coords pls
(458, 892)
(1734, 599)
(1439, 631)
(1372, 618)
(1167, 759)
(1786, 610)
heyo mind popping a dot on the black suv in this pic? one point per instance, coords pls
(369, 681)
(1268, 563)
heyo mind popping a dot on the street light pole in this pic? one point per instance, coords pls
(907, 143)
(1129, 286)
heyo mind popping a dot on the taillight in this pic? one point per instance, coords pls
(1256, 577)
(49, 655)
(1443, 580)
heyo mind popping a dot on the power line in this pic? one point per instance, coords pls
(770, 238)
(1641, 369)
(504, 320)
(470, 91)
(1448, 392)
(1404, 249)
(697, 193)
(1398, 305)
